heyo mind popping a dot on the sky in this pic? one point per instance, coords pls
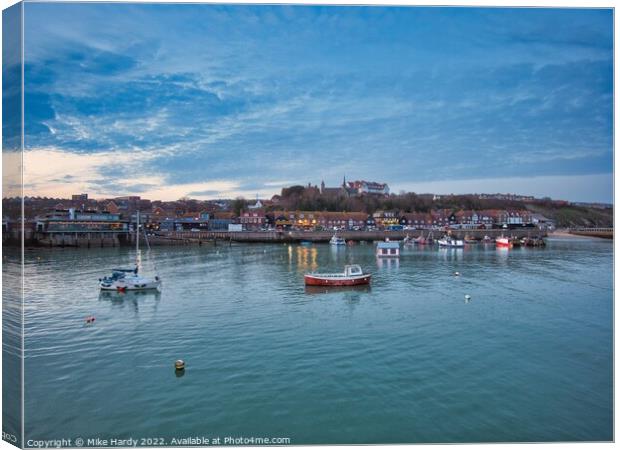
(219, 101)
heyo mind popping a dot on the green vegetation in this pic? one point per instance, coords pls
(569, 216)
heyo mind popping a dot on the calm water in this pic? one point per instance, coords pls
(529, 358)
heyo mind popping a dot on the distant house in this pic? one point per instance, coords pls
(112, 208)
(542, 222)
(257, 205)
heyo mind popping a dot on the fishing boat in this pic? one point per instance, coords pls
(503, 241)
(533, 242)
(421, 240)
(450, 242)
(123, 280)
(352, 276)
(336, 240)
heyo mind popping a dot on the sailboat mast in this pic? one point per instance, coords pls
(137, 233)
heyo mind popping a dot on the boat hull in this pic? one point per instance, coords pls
(130, 286)
(503, 243)
(318, 280)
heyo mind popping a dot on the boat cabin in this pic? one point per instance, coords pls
(352, 270)
(388, 249)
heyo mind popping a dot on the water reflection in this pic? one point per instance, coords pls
(306, 258)
(313, 290)
(132, 299)
(388, 263)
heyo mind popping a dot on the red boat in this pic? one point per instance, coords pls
(352, 276)
(503, 242)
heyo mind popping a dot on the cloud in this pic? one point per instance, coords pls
(262, 93)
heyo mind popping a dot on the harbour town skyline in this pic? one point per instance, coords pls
(218, 101)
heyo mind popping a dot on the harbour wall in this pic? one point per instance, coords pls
(223, 237)
(98, 240)
(605, 233)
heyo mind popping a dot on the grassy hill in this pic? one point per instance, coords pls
(575, 216)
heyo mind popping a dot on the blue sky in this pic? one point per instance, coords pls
(218, 101)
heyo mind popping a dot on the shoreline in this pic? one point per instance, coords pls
(565, 234)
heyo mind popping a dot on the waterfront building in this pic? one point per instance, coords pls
(193, 221)
(342, 220)
(514, 217)
(383, 219)
(75, 221)
(219, 221)
(417, 219)
(252, 220)
(542, 222)
(76, 227)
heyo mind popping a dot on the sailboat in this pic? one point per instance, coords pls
(123, 280)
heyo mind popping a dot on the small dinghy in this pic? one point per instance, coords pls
(352, 276)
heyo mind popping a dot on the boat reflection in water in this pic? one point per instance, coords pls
(312, 290)
(131, 298)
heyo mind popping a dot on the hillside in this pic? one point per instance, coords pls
(569, 216)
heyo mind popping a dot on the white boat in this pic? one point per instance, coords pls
(123, 280)
(336, 240)
(448, 241)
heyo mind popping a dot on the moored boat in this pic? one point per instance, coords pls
(352, 276)
(336, 240)
(503, 241)
(533, 242)
(123, 280)
(448, 241)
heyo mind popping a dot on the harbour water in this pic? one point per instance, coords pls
(528, 358)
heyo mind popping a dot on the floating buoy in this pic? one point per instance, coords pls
(121, 288)
(467, 297)
(457, 274)
(90, 319)
(179, 364)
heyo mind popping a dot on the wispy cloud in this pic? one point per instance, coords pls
(196, 93)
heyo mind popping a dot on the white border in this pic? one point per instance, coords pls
(470, 3)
